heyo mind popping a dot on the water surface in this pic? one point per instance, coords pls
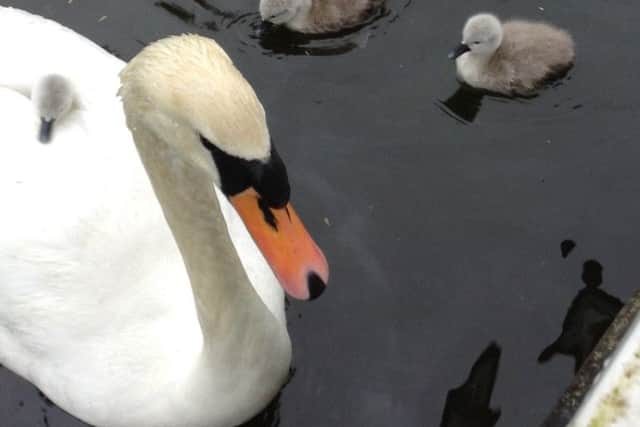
(443, 228)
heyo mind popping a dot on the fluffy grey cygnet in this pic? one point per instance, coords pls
(52, 96)
(318, 16)
(514, 58)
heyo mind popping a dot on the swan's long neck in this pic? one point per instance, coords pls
(245, 351)
(225, 300)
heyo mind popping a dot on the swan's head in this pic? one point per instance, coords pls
(52, 96)
(482, 35)
(280, 12)
(186, 93)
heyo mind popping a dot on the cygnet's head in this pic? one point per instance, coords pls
(52, 97)
(482, 35)
(280, 12)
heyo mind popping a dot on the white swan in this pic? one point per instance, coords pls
(121, 294)
(514, 58)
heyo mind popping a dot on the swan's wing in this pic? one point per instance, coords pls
(91, 147)
(17, 117)
(73, 208)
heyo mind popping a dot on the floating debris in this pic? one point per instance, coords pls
(566, 247)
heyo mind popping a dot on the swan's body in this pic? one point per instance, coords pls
(514, 58)
(96, 306)
(318, 16)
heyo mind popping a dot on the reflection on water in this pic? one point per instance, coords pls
(278, 40)
(275, 40)
(469, 404)
(187, 16)
(590, 314)
(177, 11)
(463, 105)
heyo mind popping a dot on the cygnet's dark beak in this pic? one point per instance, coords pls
(44, 136)
(460, 50)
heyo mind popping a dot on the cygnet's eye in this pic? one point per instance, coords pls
(476, 42)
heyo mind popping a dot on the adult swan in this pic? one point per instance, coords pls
(124, 295)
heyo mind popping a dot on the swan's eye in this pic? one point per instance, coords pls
(269, 179)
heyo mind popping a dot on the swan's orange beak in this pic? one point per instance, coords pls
(294, 257)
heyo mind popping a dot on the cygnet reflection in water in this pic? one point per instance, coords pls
(464, 105)
(280, 40)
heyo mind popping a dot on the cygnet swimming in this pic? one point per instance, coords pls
(52, 97)
(514, 58)
(318, 16)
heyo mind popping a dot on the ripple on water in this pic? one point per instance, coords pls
(243, 20)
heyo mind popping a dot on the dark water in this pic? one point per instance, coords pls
(442, 213)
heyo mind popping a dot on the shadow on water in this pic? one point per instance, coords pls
(590, 314)
(469, 404)
(278, 41)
